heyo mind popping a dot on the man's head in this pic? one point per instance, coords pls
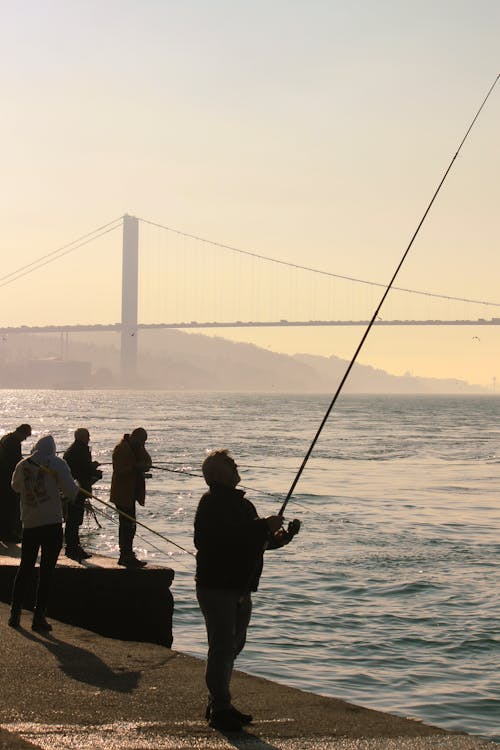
(23, 431)
(138, 436)
(220, 468)
(82, 435)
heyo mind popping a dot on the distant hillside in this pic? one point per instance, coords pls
(173, 359)
(176, 360)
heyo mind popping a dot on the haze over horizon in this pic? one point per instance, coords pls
(312, 133)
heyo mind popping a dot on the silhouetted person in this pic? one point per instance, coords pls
(230, 539)
(39, 480)
(85, 471)
(10, 455)
(128, 487)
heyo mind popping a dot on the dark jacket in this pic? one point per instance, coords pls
(127, 481)
(10, 455)
(79, 459)
(230, 539)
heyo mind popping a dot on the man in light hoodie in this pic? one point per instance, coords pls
(38, 479)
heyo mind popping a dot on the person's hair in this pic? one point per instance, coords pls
(81, 432)
(139, 434)
(24, 429)
(210, 466)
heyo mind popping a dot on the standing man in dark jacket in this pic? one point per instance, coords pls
(130, 463)
(85, 471)
(10, 455)
(230, 539)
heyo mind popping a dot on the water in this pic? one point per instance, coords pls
(389, 595)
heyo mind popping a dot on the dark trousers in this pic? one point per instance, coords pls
(74, 519)
(49, 539)
(126, 533)
(10, 515)
(227, 616)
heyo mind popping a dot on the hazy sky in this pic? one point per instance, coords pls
(313, 132)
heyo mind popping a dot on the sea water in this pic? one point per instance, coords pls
(389, 596)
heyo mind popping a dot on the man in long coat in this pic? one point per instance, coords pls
(130, 462)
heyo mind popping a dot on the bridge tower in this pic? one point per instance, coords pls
(130, 276)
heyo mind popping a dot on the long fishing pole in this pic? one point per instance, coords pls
(122, 513)
(386, 292)
(243, 486)
(134, 520)
(148, 542)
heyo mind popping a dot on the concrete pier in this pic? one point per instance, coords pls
(101, 596)
(74, 688)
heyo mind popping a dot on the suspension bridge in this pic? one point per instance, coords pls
(195, 283)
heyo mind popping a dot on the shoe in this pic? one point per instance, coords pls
(40, 624)
(77, 553)
(72, 553)
(225, 720)
(84, 555)
(15, 617)
(242, 718)
(132, 562)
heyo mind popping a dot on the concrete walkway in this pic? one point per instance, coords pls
(75, 690)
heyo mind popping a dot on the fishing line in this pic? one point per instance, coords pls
(134, 520)
(200, 476)
(147, 542)
(375, 314)
(52, 473)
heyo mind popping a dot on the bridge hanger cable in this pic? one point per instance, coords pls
(316, 270)
(386, 292)
(60, 252)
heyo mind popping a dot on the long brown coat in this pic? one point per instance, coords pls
(127, 482)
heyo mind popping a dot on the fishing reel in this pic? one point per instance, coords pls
(293, 528)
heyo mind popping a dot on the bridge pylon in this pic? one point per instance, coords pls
(130, 277)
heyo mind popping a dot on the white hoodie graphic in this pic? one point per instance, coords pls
(39, 480)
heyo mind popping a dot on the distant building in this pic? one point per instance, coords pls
(50, 372)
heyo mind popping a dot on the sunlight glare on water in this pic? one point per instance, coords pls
(389, 595)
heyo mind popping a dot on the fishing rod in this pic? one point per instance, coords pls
(384, 295)
(122, 513)
(200, 476)
(134, 520)
(110, 517)
(243, 486)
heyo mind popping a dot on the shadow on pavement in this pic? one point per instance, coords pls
(245, 741)
(84, 666)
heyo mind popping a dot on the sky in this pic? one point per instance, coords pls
(312, 132)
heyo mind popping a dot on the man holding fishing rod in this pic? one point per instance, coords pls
(231, 540)
(131, 462)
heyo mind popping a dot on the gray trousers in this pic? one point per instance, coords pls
(227, 614)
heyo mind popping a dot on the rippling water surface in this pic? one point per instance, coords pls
(389, 595)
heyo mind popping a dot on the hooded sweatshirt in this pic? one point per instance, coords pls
(39, 479)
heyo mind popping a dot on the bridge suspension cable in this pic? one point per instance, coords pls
(118, 222)
(318, 271)
(60, 252)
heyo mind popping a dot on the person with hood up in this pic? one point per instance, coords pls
(131, 461)
(39, 479)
